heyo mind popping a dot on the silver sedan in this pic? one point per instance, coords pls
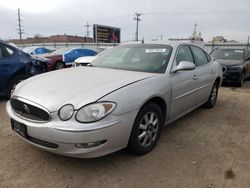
(123, 99)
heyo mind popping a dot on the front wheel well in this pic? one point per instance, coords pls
(161, 103)
(218, 79)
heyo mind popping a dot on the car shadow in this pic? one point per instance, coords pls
(3, 99)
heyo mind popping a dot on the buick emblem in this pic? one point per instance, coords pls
(26, 108)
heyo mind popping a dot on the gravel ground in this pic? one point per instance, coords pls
(207, 148)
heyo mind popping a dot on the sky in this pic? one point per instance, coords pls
(169, 18)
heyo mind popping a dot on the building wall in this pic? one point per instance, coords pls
(53, 39)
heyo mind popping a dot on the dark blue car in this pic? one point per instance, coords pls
(15, 66)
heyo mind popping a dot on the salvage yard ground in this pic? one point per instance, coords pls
(208, 148)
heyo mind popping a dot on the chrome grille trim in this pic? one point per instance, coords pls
(27, 116)
(224, 69)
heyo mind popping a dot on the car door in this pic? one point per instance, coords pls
(6, 55)
(205, 71)
(184, 85)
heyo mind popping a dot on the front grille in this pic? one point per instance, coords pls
(29, 111)
(224, 69)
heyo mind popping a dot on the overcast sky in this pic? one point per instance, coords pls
(175, 18)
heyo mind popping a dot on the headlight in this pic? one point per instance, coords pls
(94, 112)
(66, 112)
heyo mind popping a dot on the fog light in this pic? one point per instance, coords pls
(90, 144)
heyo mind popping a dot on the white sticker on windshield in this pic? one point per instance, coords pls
(157, 50)
(239, 51)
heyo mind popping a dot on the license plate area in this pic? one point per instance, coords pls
(19, 128)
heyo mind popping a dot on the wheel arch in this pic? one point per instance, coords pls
(159, 102)
(58, 61)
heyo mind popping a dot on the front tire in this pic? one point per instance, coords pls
(213, 96)
(146, 129)
(241, 81)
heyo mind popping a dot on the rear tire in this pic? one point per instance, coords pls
(213, 96)
(59, 65)
(146, 129)
(13, 82)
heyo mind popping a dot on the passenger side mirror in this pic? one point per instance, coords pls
(184, 65)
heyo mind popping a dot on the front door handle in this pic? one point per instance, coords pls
(195, 77)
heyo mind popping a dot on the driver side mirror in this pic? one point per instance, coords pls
(184, 65)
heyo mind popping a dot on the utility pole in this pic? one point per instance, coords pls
(20, 31)
(137, 18)
(247, 42)
(87, 26)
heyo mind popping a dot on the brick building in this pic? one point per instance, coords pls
(53, 38)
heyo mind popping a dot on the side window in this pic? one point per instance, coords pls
(10, 51)
(184, 54)
(200, 57)
(5, 52)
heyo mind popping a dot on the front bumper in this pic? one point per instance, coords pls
(116, 135)
(231, 76)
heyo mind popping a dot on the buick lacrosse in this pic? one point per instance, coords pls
(123, 99)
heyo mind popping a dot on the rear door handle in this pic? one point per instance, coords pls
(195, 77)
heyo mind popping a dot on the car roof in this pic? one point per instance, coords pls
(169, 43)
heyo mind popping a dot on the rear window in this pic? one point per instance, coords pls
(232, 54)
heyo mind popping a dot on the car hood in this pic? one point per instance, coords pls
(75, 86)
(228, 62)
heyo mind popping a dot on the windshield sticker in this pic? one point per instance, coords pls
(239, 51)
(158, 50)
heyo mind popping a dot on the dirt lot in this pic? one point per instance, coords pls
(207, 148)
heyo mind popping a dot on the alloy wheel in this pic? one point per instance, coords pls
(148, 129)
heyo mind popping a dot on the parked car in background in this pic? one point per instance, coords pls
(84, 61)
(15, 66)
(66, 56)
(122, 100)
(235, 64)
(32, 50)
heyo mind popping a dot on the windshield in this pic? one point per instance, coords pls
(61, 51)
(232, 54)
(144, 58)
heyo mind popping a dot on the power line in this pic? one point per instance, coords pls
(137, 19)
(87, 26)
(20, 30)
